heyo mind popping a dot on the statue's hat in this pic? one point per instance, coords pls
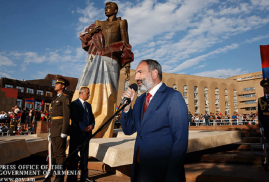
(265, 64)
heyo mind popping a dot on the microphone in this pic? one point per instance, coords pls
(134, 87)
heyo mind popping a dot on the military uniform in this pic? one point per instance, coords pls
(60, 116)
(263, 112)
(12, 126)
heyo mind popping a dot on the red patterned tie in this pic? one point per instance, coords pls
(146, 103)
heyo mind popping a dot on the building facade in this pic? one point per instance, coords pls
(40, 90)
(202, 94)
(213, 95)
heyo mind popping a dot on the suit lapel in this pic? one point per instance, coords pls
(154, 103)
(140, 106)
(79, 103)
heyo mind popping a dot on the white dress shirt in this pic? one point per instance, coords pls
(154, 90)
(82, 102)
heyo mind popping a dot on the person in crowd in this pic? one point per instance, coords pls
(240, 119)
(19, 129)
(47, 115)
(117, 121)
(42, 116)
(160, 118)
(219, 119)
(33, 130)
(23, 115)
(16, 109)
(234, 119)
(196, 120)
(206, 116)
(1, 127)
(190, 119)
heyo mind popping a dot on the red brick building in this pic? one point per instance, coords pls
(40, 90)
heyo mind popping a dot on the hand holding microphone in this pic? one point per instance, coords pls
(128, 94)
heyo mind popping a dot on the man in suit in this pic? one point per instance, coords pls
(206, 116)
(160, 118)
(81, 128)
(60, 116)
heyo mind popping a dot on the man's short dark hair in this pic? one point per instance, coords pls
(82, 89)
(153, 64)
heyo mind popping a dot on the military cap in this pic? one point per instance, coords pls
(264, 82)
(62, 80)
(265, 64)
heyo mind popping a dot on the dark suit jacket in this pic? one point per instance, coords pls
(162, 135)
(80, 120)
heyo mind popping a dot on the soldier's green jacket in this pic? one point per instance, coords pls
(60, 107)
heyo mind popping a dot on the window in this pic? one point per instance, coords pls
(53, 82)
(126, 85)
(248, 95)
(250, 102)
(8, 86)
(185, 93)
(235, 101)
(20, 89)
(30, 90)
(39, 92)
(247, 77)
(217, 99)
(37, 103)
(251, 109)
(206, 100)
(19, 102)
(226, 102)
(196, 104)
(48, 94)
(29, 106)
(259, 75)
(248, 89)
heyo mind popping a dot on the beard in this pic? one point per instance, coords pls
(147, 83)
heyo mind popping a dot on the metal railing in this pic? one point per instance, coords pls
(222, 122)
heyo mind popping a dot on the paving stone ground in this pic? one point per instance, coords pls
(196, 172)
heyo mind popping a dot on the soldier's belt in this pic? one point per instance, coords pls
(12, 125)
(266, 113)
(57, 117)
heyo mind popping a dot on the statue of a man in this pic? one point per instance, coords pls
(107, 44)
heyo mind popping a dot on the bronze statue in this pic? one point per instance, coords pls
(107, 44)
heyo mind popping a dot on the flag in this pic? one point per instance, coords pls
(18, 116)
(29, 101)
(41, 104)
(265, 60)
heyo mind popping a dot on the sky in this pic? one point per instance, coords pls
(211, 38)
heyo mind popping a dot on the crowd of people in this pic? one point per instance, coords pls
(222, 119)
(25, 120)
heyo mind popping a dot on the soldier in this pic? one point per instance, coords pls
(12, 126)
(60, 116)
(263, 107)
